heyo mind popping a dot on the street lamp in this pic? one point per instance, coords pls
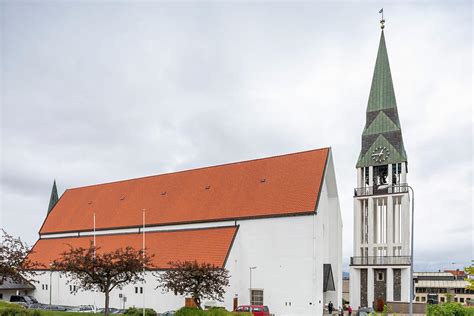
(250, 288)
(412, 285)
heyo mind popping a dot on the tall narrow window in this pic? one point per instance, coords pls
(364, 229)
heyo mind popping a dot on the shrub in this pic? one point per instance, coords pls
(188, 311)
(138, 311)
(13, 311)
(449, 309)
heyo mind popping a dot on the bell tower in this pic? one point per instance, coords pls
(380, 266)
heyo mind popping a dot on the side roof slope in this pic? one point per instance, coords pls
(210, 245)
(276, 186)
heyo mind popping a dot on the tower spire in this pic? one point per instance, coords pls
(382, 127)
(54, 197)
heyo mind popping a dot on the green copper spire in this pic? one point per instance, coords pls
(382, 127)
(382, 95)
(54, 197)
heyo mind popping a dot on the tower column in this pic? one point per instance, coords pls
(389, 174)
(403, 175)
(389, 284)
(390, 226)
(357, 228)
(370, 286)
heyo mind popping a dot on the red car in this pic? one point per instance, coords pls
(257, 310)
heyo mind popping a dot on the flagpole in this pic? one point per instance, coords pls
(95, 307)
(143, 250)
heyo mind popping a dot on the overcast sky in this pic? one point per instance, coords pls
(93, 92)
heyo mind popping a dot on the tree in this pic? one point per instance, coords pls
(470, 277)
(14, 261)
(100, 271)
(199, 280)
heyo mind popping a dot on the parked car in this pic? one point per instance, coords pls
(57, 308)
(24, 300)
(256, 310)
(82, 309)
(365, 311)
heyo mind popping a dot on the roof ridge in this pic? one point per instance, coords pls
(200, 168)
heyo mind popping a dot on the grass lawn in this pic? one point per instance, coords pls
(5, 305)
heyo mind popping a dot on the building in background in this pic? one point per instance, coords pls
(380, 266)
(11, 287)
(278, 215)
(441, 286)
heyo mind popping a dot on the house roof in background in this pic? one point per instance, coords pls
(276, 186)
(10, 284)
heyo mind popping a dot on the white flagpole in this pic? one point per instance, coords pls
(143, 249)
(94, 235)
(95, 307)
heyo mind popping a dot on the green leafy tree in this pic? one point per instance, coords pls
(470, 277)
(103, 271)
(15, 263)
(198, 280)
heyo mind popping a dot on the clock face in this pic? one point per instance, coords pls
(380, 154)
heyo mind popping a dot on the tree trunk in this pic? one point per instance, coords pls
(197, 301)
(106, 311)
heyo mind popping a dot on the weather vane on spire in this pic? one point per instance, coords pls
(382, 22)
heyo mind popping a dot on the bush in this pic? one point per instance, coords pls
(138, 311)
(189, 311)
(450, 309)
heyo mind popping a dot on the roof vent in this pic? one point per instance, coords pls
(263, 180)
(122, 198)
(163, 193)
(207, 187)
(90, 202)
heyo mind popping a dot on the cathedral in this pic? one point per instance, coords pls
(380, 267)
(274, 223)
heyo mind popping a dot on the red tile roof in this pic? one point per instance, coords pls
(457, 273)
(275, 186)
(204, 245)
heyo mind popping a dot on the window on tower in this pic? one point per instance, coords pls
(366, 175)
(396, 172)
(380, 175)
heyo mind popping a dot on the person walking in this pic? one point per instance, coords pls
(330, 307)
(349, 310)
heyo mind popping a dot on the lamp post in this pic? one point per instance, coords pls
(250, 288)
(50, 283)
(412, 284)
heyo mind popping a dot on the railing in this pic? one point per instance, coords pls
(381, 189)
(380, 261)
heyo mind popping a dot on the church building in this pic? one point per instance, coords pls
(380, 267)
(274, 223)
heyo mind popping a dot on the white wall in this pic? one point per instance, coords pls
(282, 250)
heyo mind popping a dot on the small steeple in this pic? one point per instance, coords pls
(382, 127)
(54, 197)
